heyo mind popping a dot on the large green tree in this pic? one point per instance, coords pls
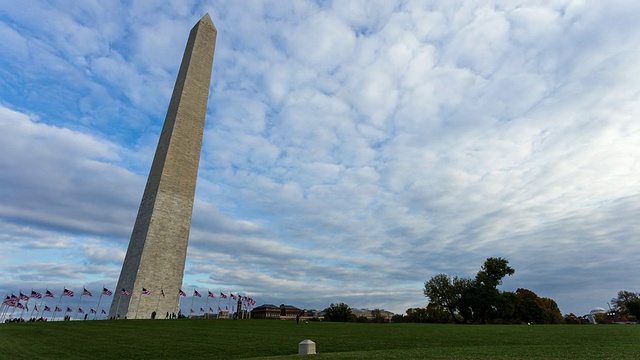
(338, 312)
(627, 303)
(633, 307)
(447, 292)
(487, 296)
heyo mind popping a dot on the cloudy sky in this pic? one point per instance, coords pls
(352, 149)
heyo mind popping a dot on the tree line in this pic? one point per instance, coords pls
(479, 301)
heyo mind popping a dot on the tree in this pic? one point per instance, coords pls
(530, 308)
(493, 271)
(417, 315)
(552, 311)
(446, 292)
(633, 306)
(507, 307)
(621, 303)
(376, 315)
(572, 319)
(437, 314)
(338, 313)
(486, 294)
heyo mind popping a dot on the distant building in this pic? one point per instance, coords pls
(289, 310)
(265, 311)
(387, 315)
(269, 311)
(591, 316)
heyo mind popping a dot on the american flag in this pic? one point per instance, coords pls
(219, 309)
(23, 297)
(145, 292)
(19, 305)
(58, 309)
(192, 311)
(92, 311)
(49, 294)
(125, 292)
(201, 310)
(80, 311)
(46, 308)
(106, 291)
(9, 301)
(222, 295)
(86, 292)
(162, 292)
(210, 310)
(35, 308)
(35, 294)
(211, 295)
(233, 297)
(67, 292)
(196, 293)
(103, 312)
(69, 309)
(182, 293)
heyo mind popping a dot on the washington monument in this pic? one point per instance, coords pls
(157, 250)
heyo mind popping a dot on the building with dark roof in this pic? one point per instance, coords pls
(269, 311)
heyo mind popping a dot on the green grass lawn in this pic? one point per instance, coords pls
(273, 339)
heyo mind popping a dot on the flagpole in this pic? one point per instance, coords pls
(98, 306)
(175, 308)
(4, 307)
(158, 303)
(78, 306)
(193, 297)
(218, 317)
(33, 308)
(138, 306)
(13, 310)
(41, 303)
(118, 307)
(54, 310)
(206, 303)
(26, 302)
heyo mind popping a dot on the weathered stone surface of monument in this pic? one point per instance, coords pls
(157, 249)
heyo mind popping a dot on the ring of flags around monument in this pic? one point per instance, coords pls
(18, 306)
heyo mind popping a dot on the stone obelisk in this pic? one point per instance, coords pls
(157, 250)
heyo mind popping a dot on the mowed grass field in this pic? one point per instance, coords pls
(274, 339)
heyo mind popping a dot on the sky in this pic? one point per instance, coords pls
(352, 149)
